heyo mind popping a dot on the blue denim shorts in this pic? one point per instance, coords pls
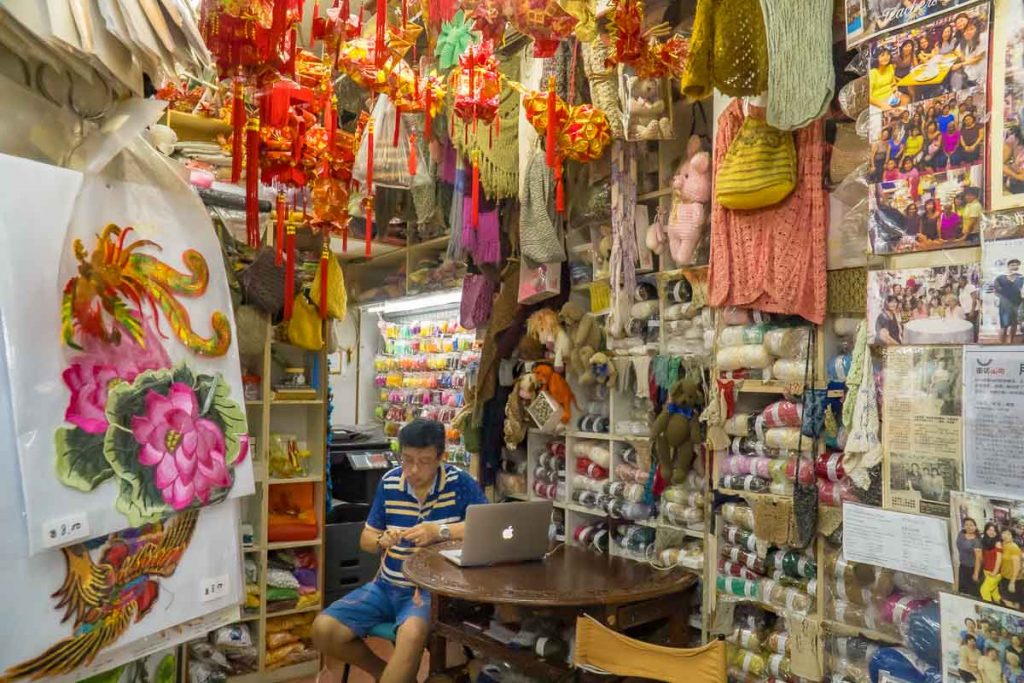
(379, 602)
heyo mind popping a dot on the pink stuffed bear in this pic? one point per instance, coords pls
(691, 192)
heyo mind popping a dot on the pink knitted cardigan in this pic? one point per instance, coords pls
(773, 259)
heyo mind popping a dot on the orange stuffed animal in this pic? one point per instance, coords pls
(553, 383)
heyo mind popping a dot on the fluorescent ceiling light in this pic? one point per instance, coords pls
(413, 303)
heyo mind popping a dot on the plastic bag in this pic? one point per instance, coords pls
(398, 161)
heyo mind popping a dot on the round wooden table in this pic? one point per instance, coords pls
(618, 592)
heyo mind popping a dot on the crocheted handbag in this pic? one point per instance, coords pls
(263, 283)
(477, 296)
(759, 168)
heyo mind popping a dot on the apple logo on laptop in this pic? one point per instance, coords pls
(508, 532)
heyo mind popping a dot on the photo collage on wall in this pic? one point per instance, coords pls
(928, 120)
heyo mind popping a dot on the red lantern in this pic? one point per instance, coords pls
(544, 21)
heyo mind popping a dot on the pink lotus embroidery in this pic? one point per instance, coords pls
(92, 373)
(187, 450)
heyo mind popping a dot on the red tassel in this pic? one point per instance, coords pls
(252, 182)
(497, 126)
(325, 273)
(382, 24)
(238, 126)
(549, 151)
(369, 190)
(289, 272)
(474, 218)
(282, 210)
(412, 154)
(344, 239)
(313, 33)
(359, 26)
(398, 127)
(369, 159)
(559, 188)
(331, 121)
(369, 226)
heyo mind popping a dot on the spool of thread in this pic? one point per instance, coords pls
(744, 482)
(784, 413)
(833, 494)
(738, 514)
(730, 568)
(829, 466)
(676, 513)
(741, 538)
(738, 587)
(746, 638)
(742, 557)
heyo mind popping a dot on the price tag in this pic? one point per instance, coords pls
(58, 532)
(214, 587)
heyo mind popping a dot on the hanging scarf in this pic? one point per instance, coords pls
(624, 248)
(499, 153)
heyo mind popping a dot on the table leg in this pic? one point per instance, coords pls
(679, 622)
(438, 644)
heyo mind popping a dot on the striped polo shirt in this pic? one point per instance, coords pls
(395, 506)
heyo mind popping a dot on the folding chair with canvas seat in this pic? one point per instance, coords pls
(601, 650)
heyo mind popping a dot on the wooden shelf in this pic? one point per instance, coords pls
(296, 480)
(692, 533)
(647, 196)
(250, 617)
(285, 673)
(284, 545)
(522, 659)
(254, 404)
(277, 402)
(841, 629)
(297, 610)
(589, 435)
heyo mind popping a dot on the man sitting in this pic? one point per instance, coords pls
(422, 502)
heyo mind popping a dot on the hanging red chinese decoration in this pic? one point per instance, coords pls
(545, 21)
(643, 49)
(579, 133)
(476, 85)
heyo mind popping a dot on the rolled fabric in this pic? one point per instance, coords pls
(789, 370)
(787, 342)
(753, 356)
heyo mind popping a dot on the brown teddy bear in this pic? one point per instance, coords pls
(584, 332)
(675, 433)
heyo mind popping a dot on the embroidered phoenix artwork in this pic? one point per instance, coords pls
(104, 598)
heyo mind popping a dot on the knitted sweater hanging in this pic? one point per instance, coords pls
(728, 50)
(799, 32)
(498, 149)
(773, 259)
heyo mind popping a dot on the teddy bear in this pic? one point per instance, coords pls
(691, 192)
(524, 391)
(646, 110)
(584, 333)
(544, 326)
(675, 433)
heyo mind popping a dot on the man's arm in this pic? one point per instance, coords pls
(428, 533)
(374, 541)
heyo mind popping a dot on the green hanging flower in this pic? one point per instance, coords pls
(456, 37)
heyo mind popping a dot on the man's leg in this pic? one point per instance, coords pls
(409, 645)
(340, 646)
(339, 630)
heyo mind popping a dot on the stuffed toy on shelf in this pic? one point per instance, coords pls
(675, 433)
(691, 191)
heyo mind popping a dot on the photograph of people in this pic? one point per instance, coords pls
(988, 559)
(981, 642)
(912, 306)
(1008, 287)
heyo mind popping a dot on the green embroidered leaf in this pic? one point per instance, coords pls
(112, 676)
(80, 459)
(165, 671)
(221, 409)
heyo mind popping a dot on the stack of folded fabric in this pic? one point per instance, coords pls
(289, 640)
(291, 580)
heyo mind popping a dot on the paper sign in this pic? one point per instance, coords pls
(214, 587)
(993, 432)
(65, 530)
(916, 544)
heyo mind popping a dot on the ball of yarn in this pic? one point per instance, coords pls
(787, 342)
(753, 356)
(788, 370)
(784, 413)
(924, 634)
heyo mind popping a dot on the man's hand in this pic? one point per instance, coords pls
(389, 538)
(423, 534)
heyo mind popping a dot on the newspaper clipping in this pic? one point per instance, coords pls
(921, 427)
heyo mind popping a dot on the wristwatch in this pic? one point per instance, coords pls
(445, 532)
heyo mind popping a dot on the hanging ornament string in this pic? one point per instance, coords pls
(281, 210)
(369, 189)
(325, 274)
(289, 271)
(252, 182)
(237, 125)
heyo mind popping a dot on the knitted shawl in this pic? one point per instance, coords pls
(499, 154)
(773, 259)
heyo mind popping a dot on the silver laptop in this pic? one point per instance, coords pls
(503, 532)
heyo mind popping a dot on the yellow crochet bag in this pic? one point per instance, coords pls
(759, 168)
(305, 329)
(337, 297)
